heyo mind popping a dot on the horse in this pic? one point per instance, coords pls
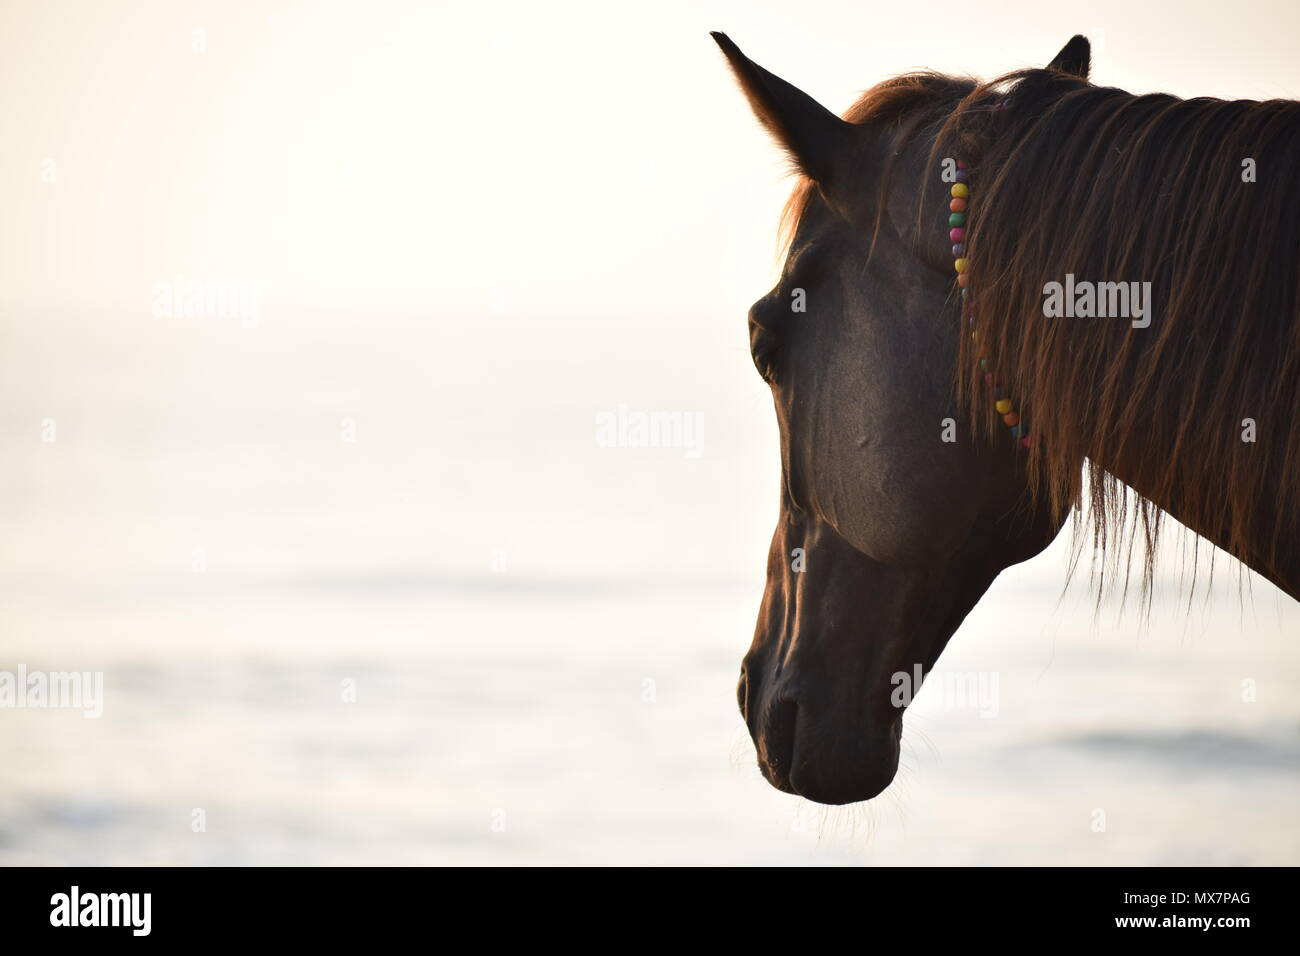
(935, 429)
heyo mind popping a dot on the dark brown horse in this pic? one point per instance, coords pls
(893, 522)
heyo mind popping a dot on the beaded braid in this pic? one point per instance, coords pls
(958, 207)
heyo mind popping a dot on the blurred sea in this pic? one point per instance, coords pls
(543, 635)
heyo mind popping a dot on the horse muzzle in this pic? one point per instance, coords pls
(807, 750)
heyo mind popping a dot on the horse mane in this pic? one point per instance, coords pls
(1067, 177)
(1071, 178)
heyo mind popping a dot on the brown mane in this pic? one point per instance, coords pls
(1112, 186)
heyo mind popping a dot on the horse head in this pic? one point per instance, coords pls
(893, 521)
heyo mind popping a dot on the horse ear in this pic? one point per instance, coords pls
(1074, 58)
(814, 137)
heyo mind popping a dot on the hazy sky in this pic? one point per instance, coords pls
(569, 158)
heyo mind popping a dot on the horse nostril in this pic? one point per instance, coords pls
(742, 693)
(776, 744)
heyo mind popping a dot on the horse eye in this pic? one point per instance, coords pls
(768, 324)
(763, 346)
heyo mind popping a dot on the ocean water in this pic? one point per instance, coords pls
(366, 589)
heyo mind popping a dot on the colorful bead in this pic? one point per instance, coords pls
(962, 175)
(1027, 441)
(1011, 418)
(963, 279)
(984, 366)
(957, 219)
(960, 164)
(1004, 405)
(960, 190)
(957, 205)
(961, 265)
(997, 392)
(988, 378)
(957, 235)
(959, 249)
(1018, 431)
